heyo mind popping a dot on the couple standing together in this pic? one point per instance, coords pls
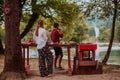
(45, 55)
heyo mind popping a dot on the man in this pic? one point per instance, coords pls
(56, 34)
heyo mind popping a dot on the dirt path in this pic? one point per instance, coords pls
(110, 72)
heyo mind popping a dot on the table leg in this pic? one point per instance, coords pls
(23, 56)
(69, 62)
(27, 66)
(27, 55)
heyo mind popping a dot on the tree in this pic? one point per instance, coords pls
(112, 32)
(34, 16)
(1, 19)
(13, 68)
(80, 29)
(103, 10)
(60, 11)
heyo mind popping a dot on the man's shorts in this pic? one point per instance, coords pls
(58, 51)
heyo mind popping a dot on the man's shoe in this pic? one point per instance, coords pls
(61, 68)
(44, 75)
(56, 67)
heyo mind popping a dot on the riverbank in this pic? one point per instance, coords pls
(110, 72)
(100, 53)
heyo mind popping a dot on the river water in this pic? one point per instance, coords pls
(100, 53)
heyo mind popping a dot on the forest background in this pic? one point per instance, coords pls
(78, 19)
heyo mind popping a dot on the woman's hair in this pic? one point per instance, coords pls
(56, 25)
(40, 24)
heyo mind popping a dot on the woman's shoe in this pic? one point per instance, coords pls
(50, 75)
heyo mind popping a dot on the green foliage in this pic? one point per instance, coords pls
(2, 33)
(104, 33)
(67, 14)
(102, 8)
(91, 32)
(117, 31)
(1, 11)
(77, 33)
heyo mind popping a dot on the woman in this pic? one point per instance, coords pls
(45, 55)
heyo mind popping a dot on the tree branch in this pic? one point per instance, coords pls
(22, 2)
(33, 18)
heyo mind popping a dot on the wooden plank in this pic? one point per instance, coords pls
(87, 63)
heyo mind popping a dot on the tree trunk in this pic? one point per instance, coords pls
(112, 34)
(13, 66)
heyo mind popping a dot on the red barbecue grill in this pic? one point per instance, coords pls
(84, 61)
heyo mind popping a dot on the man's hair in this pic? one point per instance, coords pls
(56, 25)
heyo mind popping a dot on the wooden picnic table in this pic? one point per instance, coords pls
(68, 46)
